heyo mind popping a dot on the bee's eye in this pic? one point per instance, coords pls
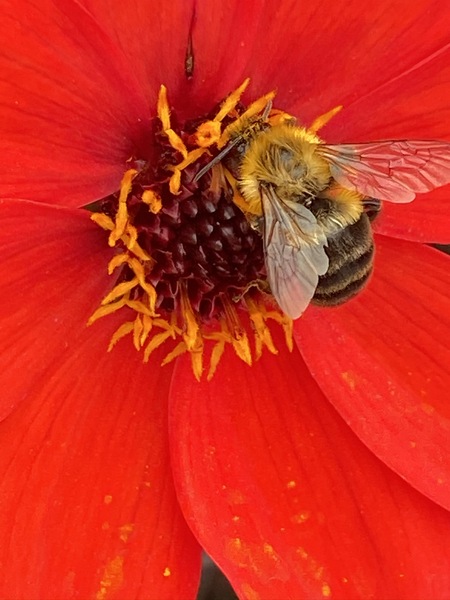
(308, 203)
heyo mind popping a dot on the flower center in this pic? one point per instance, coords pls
(189, 265)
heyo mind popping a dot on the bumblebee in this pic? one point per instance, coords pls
(318, 201)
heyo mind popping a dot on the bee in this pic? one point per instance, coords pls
(318, 202)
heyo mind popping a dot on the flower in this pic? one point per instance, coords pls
(318, 473)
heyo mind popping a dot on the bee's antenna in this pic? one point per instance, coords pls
(218, 158)
(267, 110)
(229, 146)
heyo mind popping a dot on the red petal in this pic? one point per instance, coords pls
(427, 219)
(414, 102)
(88, 506)
(153, 36)
(53, 277)
(225, 35)
(71, 112)
(388, 83)
(287, 500)
(383, 361)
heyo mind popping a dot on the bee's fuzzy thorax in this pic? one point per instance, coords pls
(283, 157)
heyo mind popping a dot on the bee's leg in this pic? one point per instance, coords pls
(372, 207)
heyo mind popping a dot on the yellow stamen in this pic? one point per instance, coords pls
(163, 108)
(179, 349)
(170, 331)
(231, 332)
(137, 331)
(254, 109)
(134, 291)
(120, 290)
(164, 115)
(136, 250)
(279, 117)
(322, 120)
(103, 311)
(153, 200)
(140, 307)
(132, 261)
(216, 355)
(208, 133)
(262, 332)
(176, 142)
(175, 180)
(239, 339)
(147, 325)
(141, 272)
(122, 211)
(286, 323)
(123, 330)
(231, 101)
(192, 336)
(103, 221)
(117, 261)
(130, 236)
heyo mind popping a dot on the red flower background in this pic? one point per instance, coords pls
(321, 472)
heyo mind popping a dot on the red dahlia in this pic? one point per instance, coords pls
(317, 472)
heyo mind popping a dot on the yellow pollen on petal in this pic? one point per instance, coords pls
(125, 531)
(112, 579)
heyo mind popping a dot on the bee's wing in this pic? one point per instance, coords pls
(394, 171)
(294, 252)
